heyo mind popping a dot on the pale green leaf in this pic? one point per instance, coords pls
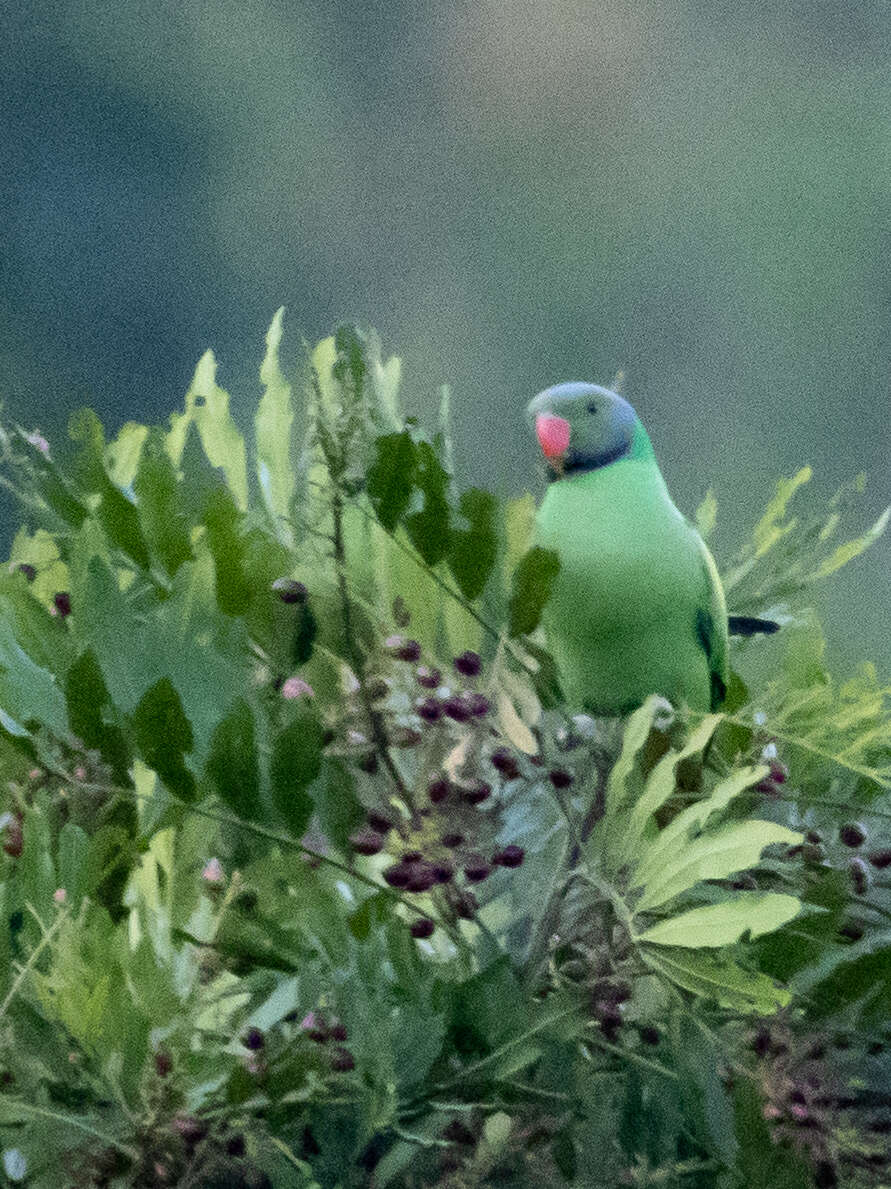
(723, 924)
(715, 855)
(715, 977)
(768, 530)
(707, 514)
(123, 454)
(272, 427)
(848, 550)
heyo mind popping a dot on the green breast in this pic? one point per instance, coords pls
(621, 621)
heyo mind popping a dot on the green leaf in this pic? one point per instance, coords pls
(472, 552)
(850, 549)
(428, 530)
(157, 492)
(295, 763)
(391, 477)
(339, 809)
(762, 1163)
(91, 715)
(232, 762)
(207, 405)
(74, 846)
(850, 974)
(716, 977)
(533, 582)
(706, 515)
(272, 428)
(714, 855)
(222, 517)
(164, 735)
(27, 691)
(691, 820)
(723, 924)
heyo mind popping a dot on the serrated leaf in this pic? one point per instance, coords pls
(723, 924)
(533, 581)
(714, 855)
(272, 428)
(295, 763)
(391, 476)
(157, 493)
(472, 552)
(222, 519)
(718, 978)
(692, 819)
(232, 762)
(164, 737)
(28, 691)
(768, 530)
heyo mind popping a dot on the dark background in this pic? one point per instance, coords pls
(514, 193)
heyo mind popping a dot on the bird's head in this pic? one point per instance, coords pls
(581, 427)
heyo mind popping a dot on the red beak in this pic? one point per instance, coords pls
(553, 435)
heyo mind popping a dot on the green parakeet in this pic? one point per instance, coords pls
(637, 606)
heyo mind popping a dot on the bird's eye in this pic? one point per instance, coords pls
(592, 408)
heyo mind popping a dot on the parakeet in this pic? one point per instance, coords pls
(637, 606)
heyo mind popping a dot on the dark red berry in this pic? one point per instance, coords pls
(443, 871)
(853, 834)
(398, 875)
(438, 790)
(475, 794)
(253, 1039)
(289, 591)
(509, 856)
(191, 1129)
(456, 707)
(315, 1027)
(779, 773)
(62, 601)
(422, 928)
(368, 762)
(29, 571)
(860, 878)
(467, 664)
(478, 704)
(650, 1035)
(342, 1060)
(428, 678)
(337, 1030)
(13, 838)
(235, 1145)
(813, 837)
(881, 858)
(422, 878)
(411, 856)
(853, 930)
(409, 651)
(560, 778)
(430, 710)
(477, 870)
(366, 841)
(458, 1132)
(379, 822)
(505, 763)
(163, 1063)
(452, 840)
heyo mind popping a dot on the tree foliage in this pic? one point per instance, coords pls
(311, 877)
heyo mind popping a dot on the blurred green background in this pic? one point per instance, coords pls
(514, 193)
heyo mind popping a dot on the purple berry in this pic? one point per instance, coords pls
(456, 708)
(409, 651)
(430, 710)
(510, 856)
(235, 1146)
(422, 928)
(379, 822)
(289, 591)
(428, 678)
(650, 1035)
(452, 840)
(881, 859)
(505, 763)
(778, 772)
(467, 664)
(443, 871)
(422, 878)
(337, 1030)
(342, 1060)
(366, 841)
(13, 838)
(853, 834)
(478, 704)
(475, 794)
(315, 1027)
(163, 1063)
(560, 778)
(477, 869)
(860, 878)
(253, 1039)
(412, 856)
(29, 571)
(62, 602)
(398, 875)
(438, 790)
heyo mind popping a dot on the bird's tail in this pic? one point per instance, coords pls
(750, 625)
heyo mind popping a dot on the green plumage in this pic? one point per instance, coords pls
(637, 606)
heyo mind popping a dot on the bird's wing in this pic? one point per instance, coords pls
(711, 622)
